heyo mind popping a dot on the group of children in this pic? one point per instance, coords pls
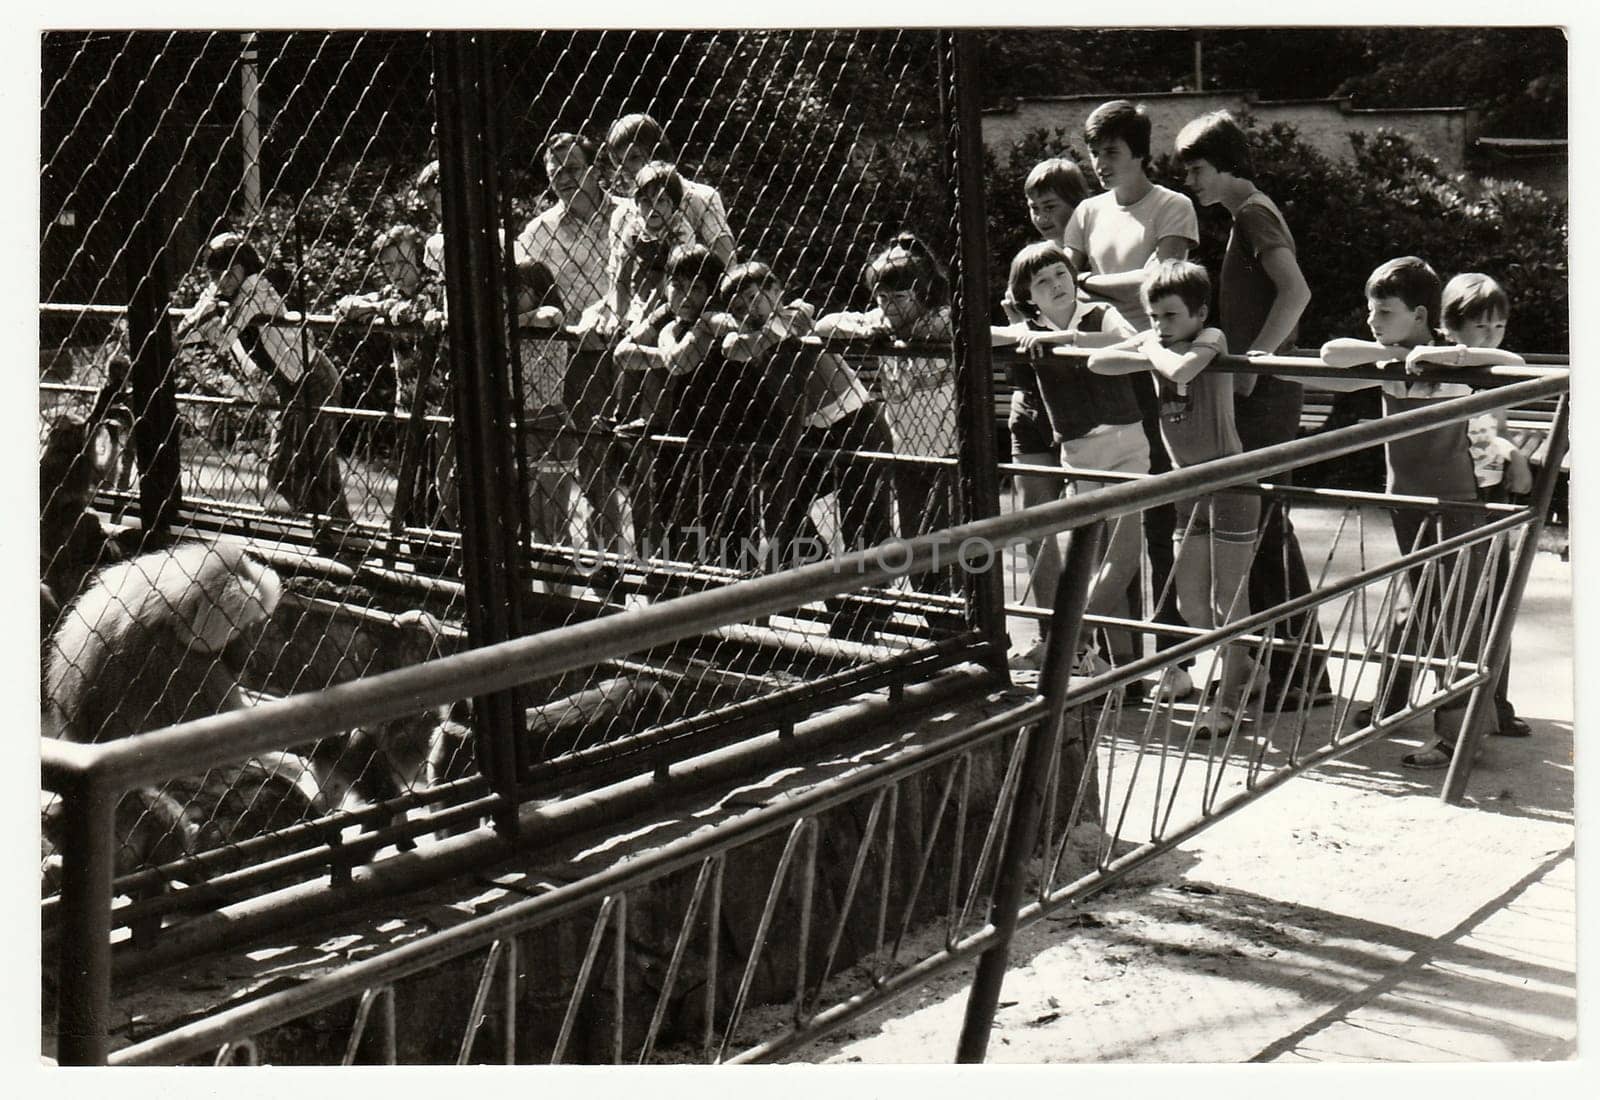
(1102, 259)
(670, 335)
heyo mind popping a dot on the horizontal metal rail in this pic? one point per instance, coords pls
(229, 737)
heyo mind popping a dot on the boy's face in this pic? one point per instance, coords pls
(901, 308)
(1054, 293)
(755, 303)
(400, 268)
(1482, 428)
(1115, 163)
(657, 209)
(1485, 331)
(1172, 321)
(1394, 322)
(686, 297)
(628, 158)
(1049, 213)
(1203, 181)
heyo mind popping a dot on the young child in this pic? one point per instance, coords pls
(1473, 311)
(1094, 421)
(1215, 534)
(695, 494)
(242, 315)
(1053, 190)
(643, 231)
(824, 409)
(1404, 303)
(408, 298)
(635, 140)
(910, 294)
(427, 189)
(1501, 469)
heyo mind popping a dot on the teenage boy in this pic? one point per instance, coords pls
(674, 344)
(635, 140)
(1403, 306)
(1261, 295)
(1110, 239)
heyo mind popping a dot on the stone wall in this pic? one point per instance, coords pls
(1324, 124)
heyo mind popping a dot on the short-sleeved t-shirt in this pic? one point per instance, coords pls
(1205, 429)
(574, 251)
(1489, 460)
(1434, 463)
(919, 392)
(1246, 290)
(1119, 238)
(702, 208)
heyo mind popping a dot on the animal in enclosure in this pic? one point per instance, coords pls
(143, 647)
(76, 458)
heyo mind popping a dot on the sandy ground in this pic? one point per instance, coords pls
(1349, 916)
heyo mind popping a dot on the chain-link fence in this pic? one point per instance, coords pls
(698, 317)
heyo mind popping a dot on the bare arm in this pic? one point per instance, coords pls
(1290, 298)
(1112, 283)
(847, 324)
(1178, 366)
(1519, 475)
(1124, 357)
(1458, 355)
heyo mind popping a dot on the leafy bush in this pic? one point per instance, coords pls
(1389, 199)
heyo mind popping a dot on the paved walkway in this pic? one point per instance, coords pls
(1349, 917)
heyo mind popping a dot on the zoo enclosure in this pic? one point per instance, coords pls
(309, 144)
(1186, 787)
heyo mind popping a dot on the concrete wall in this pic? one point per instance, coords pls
(1324, 124)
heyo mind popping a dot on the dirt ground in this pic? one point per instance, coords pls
(1349, 916)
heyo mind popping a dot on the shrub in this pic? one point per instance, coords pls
(1390, 199)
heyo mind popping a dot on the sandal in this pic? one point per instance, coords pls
(1427, 759)
(1217, 722)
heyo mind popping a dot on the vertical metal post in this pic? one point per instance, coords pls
(1494, 658)
(1085, 548)
(83, 961)
(473, 278)
(140, 206)
(979, 474)
(250, 123)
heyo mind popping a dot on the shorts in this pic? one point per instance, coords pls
(1225, 517)
(1118, 448)
(1030, 428)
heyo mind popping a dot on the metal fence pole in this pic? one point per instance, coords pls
(980, 478)
(1085, 548)
(83, 954)
(1494, 659)
(473, 276)
(140, 207)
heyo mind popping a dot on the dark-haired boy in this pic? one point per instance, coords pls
(1261, 295)
(1403, 307)
(1111, 239)
(676, 344)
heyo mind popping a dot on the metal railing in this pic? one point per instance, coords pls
(1184, 787)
